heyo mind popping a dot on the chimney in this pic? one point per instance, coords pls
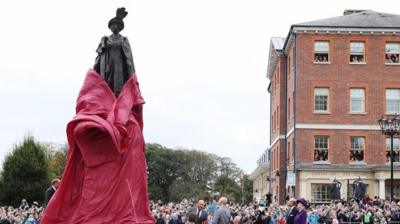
(352, 11)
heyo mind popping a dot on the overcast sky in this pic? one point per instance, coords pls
(201, 65)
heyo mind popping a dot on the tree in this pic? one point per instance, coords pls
(247, 186)
(58, 161)
(181, 173)
(25, 173)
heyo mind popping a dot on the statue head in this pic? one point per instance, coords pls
(116, 24)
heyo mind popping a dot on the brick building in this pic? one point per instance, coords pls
(330, 82)
(260, 176)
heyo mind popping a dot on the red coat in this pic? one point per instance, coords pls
(105, 180)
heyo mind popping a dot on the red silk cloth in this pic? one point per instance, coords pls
(105, 179)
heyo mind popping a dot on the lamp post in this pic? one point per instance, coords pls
(390, 126)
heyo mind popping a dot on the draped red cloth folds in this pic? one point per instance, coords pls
(105, 179)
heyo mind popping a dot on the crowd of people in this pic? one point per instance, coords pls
(295, 211)
(24, 214)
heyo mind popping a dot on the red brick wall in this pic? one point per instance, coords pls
(340, 144)
(278, 109)
(340, 76)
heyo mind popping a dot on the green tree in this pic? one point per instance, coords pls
(162, 169)
(58, 161)
(25, 173)
(247, 189)
(181, 173)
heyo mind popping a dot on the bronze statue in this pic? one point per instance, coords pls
(114, 61)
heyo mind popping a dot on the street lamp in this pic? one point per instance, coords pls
(390, 126)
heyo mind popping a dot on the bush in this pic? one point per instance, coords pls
(25, 173)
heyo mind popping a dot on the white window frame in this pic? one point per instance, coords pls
(354, 97)
(357, 53)
(320, 192)
(390, 96)
(319, 53)
(321, 148)
(392, 53)
(357, 148)
(396, 150)
(327, 99)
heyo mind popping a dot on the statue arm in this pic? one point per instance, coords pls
(100, 50)
(126, 47)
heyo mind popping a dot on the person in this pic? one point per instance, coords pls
(24, 204)
(51, 190)
(198, 215)
(268, 198)
(31, 220)
(292, 211)
(301, 217)
(114, 61)
(222, 215)
(237, 220)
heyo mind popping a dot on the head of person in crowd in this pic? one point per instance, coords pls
(291, 202)
(236, 220)
(201, 204)
(302, 204)
(55, 183)
(222, 201)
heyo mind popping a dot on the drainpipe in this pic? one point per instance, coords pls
(294, 109)
(286, 126)
(269, 148)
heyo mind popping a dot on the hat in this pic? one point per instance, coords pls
(121, 14)
(303, 201)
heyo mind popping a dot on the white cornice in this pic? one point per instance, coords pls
(340, 127)
(345, 30)
(289, 132)
(276, 140)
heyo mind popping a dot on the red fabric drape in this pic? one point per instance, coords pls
(105, 179)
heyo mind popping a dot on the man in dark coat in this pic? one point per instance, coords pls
(292, 211)
(198, 215)
(51, 190)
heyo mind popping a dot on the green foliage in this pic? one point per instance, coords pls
(247, 189)
(57, 160)
(191, 174)
(25, 173)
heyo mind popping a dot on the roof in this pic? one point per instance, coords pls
(275, 48)
(358, 19)
(278, 42)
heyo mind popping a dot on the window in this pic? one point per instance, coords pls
(320, 192)
(392, 51)
(357, 52)
(392, 101)
(277, 119)
(321, 51)
(321, 99)
(278, 75)
(357, 100)
(320, 148)
(357, 149)
(289, 111)
(396, 149)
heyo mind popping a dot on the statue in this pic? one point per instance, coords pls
(105, 179)
(114, 61)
